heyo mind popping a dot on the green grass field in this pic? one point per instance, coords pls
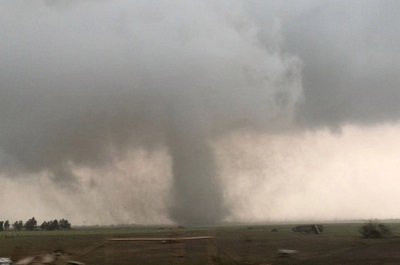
(256, 244)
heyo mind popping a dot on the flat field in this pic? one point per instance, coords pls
(255, 244)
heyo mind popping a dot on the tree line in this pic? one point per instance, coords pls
(31, 224)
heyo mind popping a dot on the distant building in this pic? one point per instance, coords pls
(308, 229)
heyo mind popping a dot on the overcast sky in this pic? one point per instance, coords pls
(199, 112)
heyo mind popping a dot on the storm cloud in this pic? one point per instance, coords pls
(148, 102)
(84, 83)
(350, 71)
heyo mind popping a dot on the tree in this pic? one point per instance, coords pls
(6, 225)
(30, 224)
(44, 226)
(64, 224)
(18, 225)
(54, 225)
(1, 225)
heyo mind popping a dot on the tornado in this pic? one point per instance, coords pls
(196, 189)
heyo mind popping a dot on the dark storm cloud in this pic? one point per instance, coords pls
(83, 83)
(349, 50)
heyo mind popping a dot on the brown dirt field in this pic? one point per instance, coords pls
(338, 244)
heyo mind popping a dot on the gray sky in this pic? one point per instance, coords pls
(135, 111)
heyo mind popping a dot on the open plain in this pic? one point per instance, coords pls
(245, 244)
